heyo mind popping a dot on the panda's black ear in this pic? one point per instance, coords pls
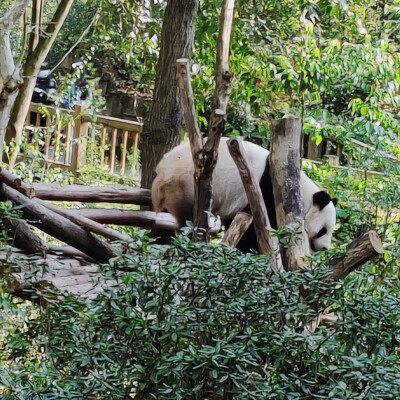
(334, 201)
(321, 199)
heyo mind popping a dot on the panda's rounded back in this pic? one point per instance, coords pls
(229, 196)
(173, 186)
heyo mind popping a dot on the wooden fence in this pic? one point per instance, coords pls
(69, 140)
(69, 143)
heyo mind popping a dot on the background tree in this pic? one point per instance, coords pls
(35, 58)
(10, 75)
(161, 130)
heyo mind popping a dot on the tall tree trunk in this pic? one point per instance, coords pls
(162, 128)
(31, 68)
(10, 75)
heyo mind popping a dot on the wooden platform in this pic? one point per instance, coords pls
(44, 276)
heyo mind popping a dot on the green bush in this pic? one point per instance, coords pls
(193, 321)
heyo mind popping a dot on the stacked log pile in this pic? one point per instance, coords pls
(76, 226)
(87, 241)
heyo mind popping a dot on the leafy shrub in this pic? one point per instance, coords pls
(193, 321)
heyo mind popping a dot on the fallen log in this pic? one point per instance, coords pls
(236, 230)
(359, 251)
(266, 243)
(86, 223)
(69, 252)
(143, 219)
(91, 194)
(22, 237)
(68, 275)
(60, 227)
(11, 180)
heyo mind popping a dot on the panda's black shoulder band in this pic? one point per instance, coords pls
(268, 195)
(321, 199)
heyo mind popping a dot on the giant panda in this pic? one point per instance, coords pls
(173, 192)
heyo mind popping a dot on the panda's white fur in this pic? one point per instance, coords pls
(173, 189)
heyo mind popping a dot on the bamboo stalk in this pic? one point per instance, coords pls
(102, 144)
(136, 136)
(113, 146)
(123, 156)
(67, 144)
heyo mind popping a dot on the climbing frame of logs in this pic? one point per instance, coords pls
(360, 251)
(80, 229)
(72, 267)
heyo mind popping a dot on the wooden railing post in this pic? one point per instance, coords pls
(81, 129)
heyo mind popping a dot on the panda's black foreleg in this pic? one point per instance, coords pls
(162, 236)
(249, 240)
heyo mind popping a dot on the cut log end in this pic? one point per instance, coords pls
(360, 251)
(182, 60)
(373, 240)
(219, 112)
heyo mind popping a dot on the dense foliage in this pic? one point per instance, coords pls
(191, 321)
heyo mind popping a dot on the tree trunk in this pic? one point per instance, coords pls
(205, 155)
(10, 75)
(285, 167)
(161, 131)
(31, 68)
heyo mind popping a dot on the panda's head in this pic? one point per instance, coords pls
(320, 221)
